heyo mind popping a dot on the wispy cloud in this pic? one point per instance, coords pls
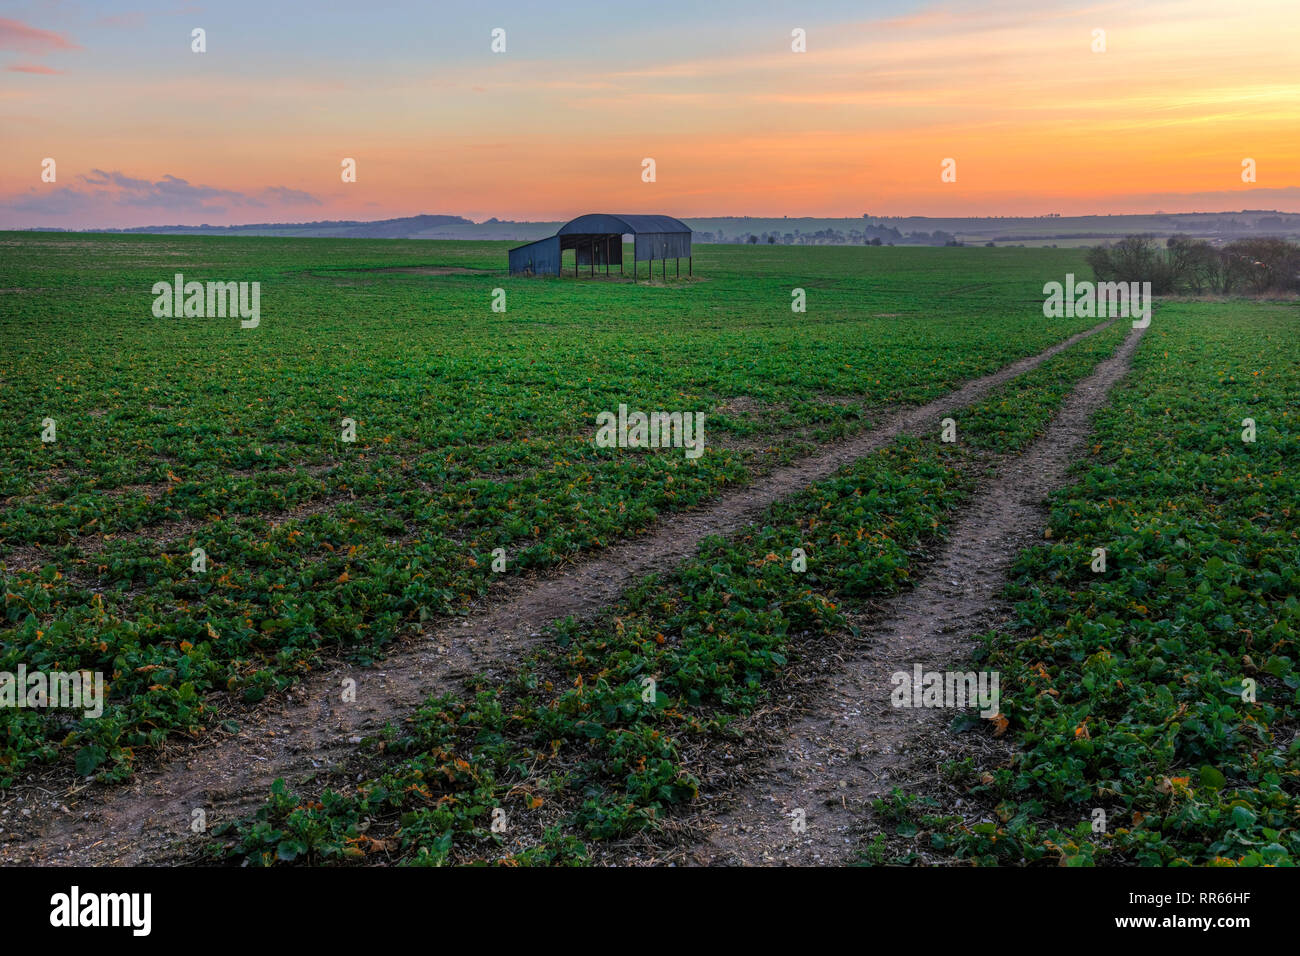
(170, 192)
(23, 38)
(289, 197)
(101, 190)
(32, 68)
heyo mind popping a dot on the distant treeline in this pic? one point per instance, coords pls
(1195, 266)
(869, 235)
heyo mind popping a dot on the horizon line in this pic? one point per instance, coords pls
(495, 219)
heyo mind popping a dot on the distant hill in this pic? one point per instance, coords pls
(404, 228)
(884, 230)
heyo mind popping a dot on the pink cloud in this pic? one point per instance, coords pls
(31, 68)
(16, 35)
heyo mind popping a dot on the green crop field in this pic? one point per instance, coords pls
(209, 514)
(1163, 690)
(473, 432)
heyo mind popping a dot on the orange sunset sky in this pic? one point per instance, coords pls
(144, 130)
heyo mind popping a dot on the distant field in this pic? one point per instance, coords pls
(473, 432)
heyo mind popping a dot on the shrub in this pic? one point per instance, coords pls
(1193, 265)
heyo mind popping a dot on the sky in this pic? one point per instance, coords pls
(143, 130)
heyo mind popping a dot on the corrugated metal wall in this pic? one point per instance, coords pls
(663, 245)
(540, 258)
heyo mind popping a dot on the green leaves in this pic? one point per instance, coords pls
(1182, 654)
(1243, 817)
(88, 759)
(290, 850)
(573, 729)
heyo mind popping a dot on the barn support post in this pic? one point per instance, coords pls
(690, 266)
(677, 265)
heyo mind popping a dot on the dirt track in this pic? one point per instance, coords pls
(144, 820)
(854, 746)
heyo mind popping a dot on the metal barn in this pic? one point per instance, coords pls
(597, 240)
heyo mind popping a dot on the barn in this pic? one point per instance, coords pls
(597, 240)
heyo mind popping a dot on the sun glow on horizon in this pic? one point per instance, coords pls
(146, 132)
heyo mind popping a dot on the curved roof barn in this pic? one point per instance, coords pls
(601, 223)
(597, 240)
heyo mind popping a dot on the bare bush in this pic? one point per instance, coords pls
(1262, 265)
(1194, 266)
